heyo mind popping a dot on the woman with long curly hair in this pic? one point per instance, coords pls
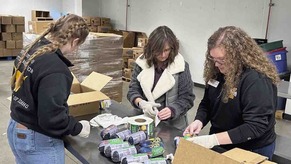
(240, 95)
(41, 84)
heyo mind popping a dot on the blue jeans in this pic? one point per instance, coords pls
(29, 146)
(267, 151)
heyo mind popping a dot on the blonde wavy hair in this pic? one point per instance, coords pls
(241, 52)
(63, 31)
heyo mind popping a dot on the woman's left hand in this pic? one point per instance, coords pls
(165, 113)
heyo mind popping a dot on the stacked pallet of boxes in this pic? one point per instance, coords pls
(98, 24)
(40, 20)
(133, 45)
(11, 39)
(101, 52)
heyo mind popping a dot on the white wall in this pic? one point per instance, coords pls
(91, 7)
(280, 24)
(193, 21)
(115, 9)
(72, 6)
(24, 7)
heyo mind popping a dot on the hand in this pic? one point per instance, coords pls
(208, 141)
(147, 107)
(165, 113)
(194, 128)
(85, 130)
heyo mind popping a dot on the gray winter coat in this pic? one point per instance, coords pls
(174, 88)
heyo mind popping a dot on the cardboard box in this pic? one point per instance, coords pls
(131, 63)
(188, 151)
(2, 44)
(15, 52)
(20, 28)
(105, 21)
(127, 73)
(18, 20)
(141, 42)
(96, 21)
(6, 36)
(7, 52)
(93, 28)
(37, 27)
(127, 53)
(5, 20)
(17, 36)
(10, 44)
(104, 29)
(1, 52)
(137, 51)
(87, 95)
(36, 14)
(87, 20)
(19, 44)
(8, 28)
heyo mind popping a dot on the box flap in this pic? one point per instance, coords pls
(87, 97)
(75, 80)
(96, 81)
(244, 156)
(188, 152)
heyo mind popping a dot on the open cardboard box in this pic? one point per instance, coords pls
(188, 152)
(86, 96)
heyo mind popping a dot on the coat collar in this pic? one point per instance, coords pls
(166, 81)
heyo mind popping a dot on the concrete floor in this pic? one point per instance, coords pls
(283, 127)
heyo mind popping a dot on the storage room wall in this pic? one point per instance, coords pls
(24, 7)
(91, 7)
(193, 21)
(72, 6)
(115, 9)
(280, 25)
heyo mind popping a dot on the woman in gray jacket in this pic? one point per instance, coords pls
(161, 82)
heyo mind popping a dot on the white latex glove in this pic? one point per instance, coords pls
(208, 141)
(194, 128)
(85, 130)
(148, 107)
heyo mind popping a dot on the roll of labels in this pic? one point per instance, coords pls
(132, 144)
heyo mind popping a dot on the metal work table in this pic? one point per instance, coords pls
(86, 149)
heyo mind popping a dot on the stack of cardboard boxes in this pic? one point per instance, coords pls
(40, 20)
(11, 38)
(101, 52)
(98, 24)
(133, 44)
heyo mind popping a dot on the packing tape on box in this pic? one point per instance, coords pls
(141, 123)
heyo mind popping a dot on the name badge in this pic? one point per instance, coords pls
(213, 83)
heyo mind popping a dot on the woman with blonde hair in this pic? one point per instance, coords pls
(240, 95)
(41, 83)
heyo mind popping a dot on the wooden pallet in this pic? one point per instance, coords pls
(126, 79)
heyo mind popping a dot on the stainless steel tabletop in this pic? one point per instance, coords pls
(86, 149)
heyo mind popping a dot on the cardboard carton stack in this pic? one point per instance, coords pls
(40, 20)
(102, 53)
(11, 38)
(133, 45)
(98, 24)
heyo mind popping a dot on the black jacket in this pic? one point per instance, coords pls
(41, 102)
(248, 117)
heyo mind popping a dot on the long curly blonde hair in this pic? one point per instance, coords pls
(61, 32)
(241, 51)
